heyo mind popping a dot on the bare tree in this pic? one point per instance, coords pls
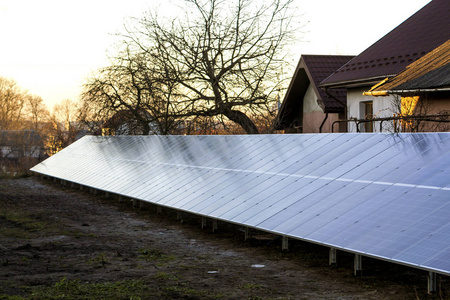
(65, 126)
(129, 89)
(12, 100)
(417, 113)
(35, 111)
(221, 59)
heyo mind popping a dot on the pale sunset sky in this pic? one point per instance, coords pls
(50, 46)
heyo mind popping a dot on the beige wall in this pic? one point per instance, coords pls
(313, 115)
(313, 120)
(432, 105)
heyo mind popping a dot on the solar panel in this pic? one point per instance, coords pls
(380, 195)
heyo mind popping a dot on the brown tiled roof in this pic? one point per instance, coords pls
(430, 71)
(415, 37)
(311, 69)
(320, 67)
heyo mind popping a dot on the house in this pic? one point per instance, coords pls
(16, 144)
(306, 108)
(20, 150)
(418, 35)
(423, 92)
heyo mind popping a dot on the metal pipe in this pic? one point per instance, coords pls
(417, 91)
(323, 122)
(376, 93)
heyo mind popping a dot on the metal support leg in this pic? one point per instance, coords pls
(179, 216)
(214, 225)
(431, 282)
(106, 195)
(203, 222)
(333, 257)
(246, 233)
(158, 209)
(81, 187)
(285, 243)
(358, 265)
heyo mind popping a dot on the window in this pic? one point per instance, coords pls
(367, 114)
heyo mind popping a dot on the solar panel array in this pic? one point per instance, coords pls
(380, 195)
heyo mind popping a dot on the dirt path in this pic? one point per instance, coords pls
(56, 242)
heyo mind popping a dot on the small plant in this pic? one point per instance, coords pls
(252, 286)
(100, 260)
(154, 255)
(22, 225)
(165, 276)
(75, 289)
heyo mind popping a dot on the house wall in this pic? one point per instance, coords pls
(382, 108)
(434, 104)
(313, 114)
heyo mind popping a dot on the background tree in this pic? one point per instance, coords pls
(128, 88)
(222, 59)
(36, 112)
(64, 126)
(12, 100)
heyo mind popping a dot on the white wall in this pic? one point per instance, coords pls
(382, 107)
(310, 101)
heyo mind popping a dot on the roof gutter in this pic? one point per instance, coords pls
(417, 91)
(376, 93)
(355, 82)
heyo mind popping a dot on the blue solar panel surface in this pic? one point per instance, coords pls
(381, 195)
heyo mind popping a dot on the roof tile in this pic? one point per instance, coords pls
(415, 37)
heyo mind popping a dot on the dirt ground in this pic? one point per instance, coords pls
(62, 243)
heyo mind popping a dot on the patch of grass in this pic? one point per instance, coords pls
(75, 289)
(163, 276)
(99, 260)
(155, 255)
(252, 286)
(21, 224)
(181, 291)
(78, 234)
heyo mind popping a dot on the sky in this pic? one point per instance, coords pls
(50, 47)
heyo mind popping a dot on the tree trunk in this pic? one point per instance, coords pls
(243, 120)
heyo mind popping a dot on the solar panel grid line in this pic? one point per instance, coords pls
(398, 227)
(401, 165)
(430, 242)
(439, 261)
(180, 180)
(356, 215)
(374, 160)
(227, 196)
(349, 203)
(391, 229)
(99, 169)
(269, 200)
(341, 156)
(222, 170)
(309, 210)
(369, 160)
(190, 178)
(298, 198)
